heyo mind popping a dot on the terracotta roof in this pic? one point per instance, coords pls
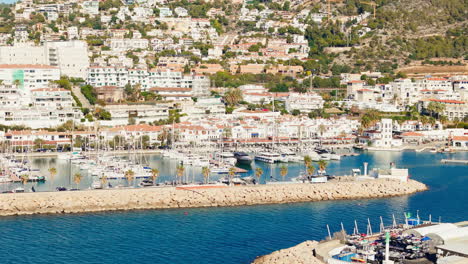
(365, 90)
(436, 79)
(461, 138)
(447, 101)
(412, 134)
(136, 128)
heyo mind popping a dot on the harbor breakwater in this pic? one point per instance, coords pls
(299, 254)
(170, 197)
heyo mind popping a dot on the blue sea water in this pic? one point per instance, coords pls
(230, 235)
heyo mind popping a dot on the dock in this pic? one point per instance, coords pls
(445, 161)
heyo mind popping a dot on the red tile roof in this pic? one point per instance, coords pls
(461, 138)
(447, 101)
(412, 134)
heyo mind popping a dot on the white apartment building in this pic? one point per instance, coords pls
(141, 113)
(38, 117)
(406, 90)
(23, 53)
(107, 76)
(70, 56)
(29, 76)
(434, 83)
(304, 102)
(11, 97)
(90, 7)
(52, 98)
(453, 108)
(127, 44)
(156, 78)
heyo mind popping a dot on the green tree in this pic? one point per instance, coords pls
(206, 174)
(154, 174)
(129, 175)
(77, 179)
(258, 174)
(180, 172)
(283, 171)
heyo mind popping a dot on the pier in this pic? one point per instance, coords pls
(446, 161)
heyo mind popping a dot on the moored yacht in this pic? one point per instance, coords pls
(242, 158)
(268, 157)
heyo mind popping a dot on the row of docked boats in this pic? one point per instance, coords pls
(13, 170)
(112, 167)
(291, 156)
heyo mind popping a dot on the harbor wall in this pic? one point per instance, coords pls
(300, 254)
(170, 197)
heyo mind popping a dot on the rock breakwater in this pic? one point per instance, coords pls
(170, 197)
(300, 254)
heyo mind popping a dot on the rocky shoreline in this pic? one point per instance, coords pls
(170, 197)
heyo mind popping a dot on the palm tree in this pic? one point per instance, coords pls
(103, 180)
(258, 173)
(24, 178)
(180, 172)
(322, 129)
(231, 173)
(233, 96)
(129, 175)
(52, 172)
(310, 170)
(322, 165)
(307, 160)
(77, 179)
(154, 174)
(283, 171)
(206, 174)
(436, 108)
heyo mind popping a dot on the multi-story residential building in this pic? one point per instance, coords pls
(52, 98)
(90, 7)
(23, 53)
(70, 56)
(406, 91)
(29, 76)
(107, 76)
(39, 117)
(304, 102)
(434, 83)
(453, 108)
(11, 97)
(127, 44)
(140, 113)
(158, 77)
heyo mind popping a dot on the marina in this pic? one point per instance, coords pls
(195, 230)
(83, 169)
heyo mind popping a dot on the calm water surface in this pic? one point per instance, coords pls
(226, 235)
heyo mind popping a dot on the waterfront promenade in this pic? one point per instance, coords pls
(170, 197)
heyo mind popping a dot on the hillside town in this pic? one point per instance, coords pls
(238, 72)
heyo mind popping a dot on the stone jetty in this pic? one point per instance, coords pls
(300, 254)
(170, 197)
